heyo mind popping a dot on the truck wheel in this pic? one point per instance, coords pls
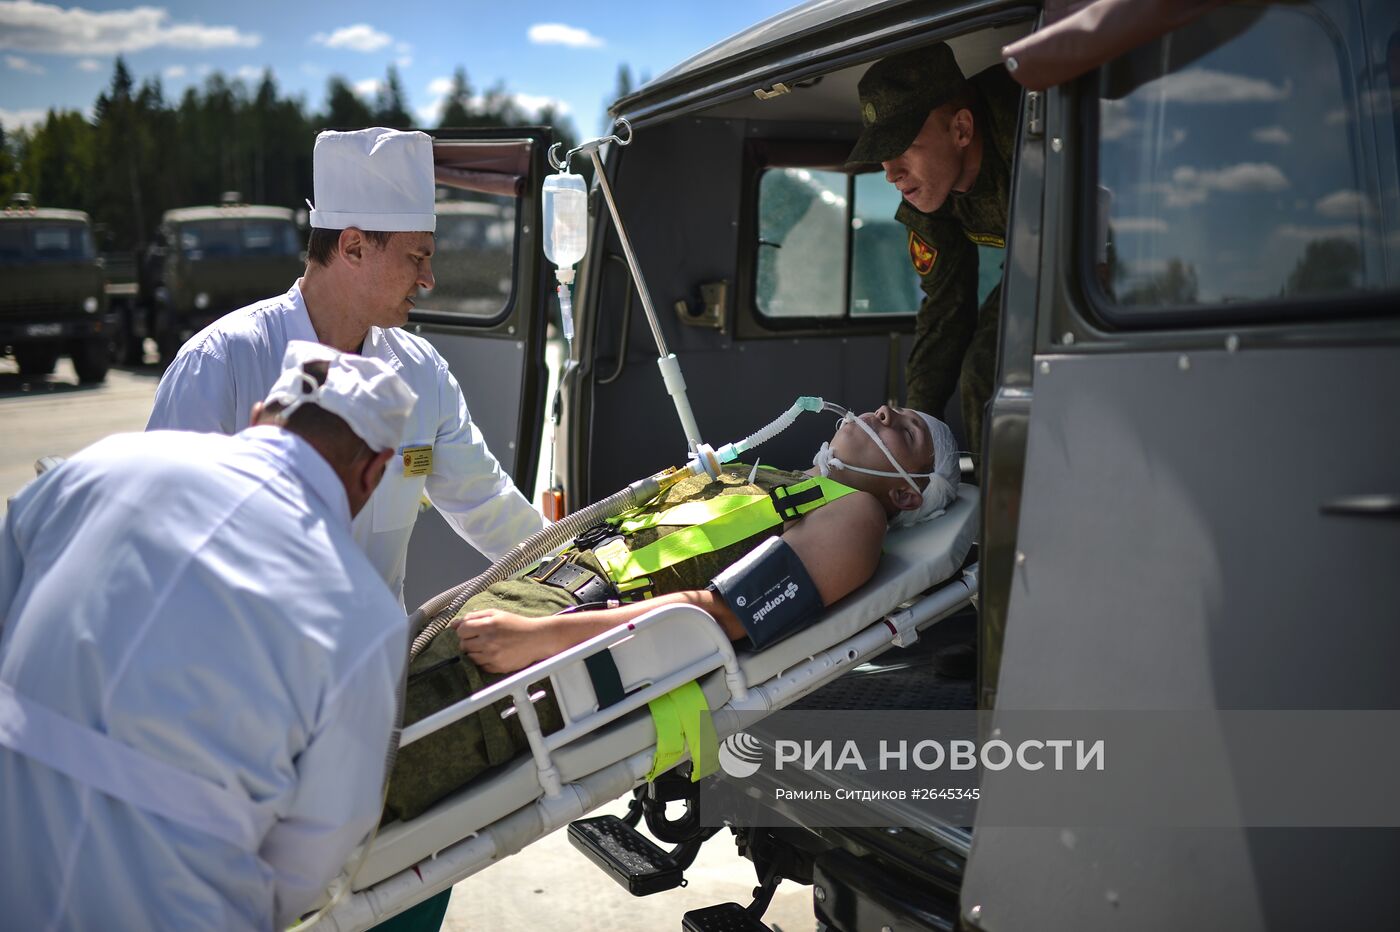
(168, 345)
(132, 346)
(36, 359)
(91, 359)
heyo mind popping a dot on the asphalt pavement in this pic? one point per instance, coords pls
(547, 886)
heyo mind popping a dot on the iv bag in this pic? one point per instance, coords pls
(565, 219)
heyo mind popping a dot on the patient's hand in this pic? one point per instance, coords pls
(502, 642)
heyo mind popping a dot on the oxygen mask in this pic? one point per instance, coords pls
(826, 460)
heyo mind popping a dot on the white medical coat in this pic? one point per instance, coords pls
(219, 374)
(199, 599)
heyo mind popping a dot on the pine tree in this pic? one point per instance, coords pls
(391, 108)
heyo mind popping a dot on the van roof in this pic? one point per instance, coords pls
(239, 212)
(811, 39)
(43, 213)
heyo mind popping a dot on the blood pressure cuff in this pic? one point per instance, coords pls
(770, 592)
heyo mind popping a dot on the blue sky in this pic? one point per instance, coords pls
(60, 55)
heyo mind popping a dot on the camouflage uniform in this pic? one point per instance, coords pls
(955, 341)
(433, 767)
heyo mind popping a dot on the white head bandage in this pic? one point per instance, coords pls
(942, 486)
(374, 179)
(363, 392)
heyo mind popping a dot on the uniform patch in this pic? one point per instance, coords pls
(987, 239)
(417, 461)
(921, 254)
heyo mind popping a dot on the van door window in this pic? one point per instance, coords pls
(474, 258)
(829, 247)
(1231, 168)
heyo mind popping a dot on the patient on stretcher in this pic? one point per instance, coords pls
(714, 544)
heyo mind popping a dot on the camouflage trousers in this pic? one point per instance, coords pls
(431, 768)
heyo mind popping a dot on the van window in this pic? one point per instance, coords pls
(1231, 169)
(829, 247)
(474, 257)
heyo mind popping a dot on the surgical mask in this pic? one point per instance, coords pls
(826, 461)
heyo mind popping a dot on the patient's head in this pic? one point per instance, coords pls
(922, 445)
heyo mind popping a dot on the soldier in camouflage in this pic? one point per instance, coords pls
(945, 142)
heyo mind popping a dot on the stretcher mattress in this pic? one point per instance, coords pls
(915, 560)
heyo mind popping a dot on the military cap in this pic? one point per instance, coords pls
(896, 96)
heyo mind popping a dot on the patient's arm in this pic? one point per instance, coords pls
(838, 544)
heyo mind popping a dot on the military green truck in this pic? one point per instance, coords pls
(51, 291)
(205, 262)
(1189, 487)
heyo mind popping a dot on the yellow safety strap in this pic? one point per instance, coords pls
(670, 736)
(683, 722)
(729, 527)
(686, 513)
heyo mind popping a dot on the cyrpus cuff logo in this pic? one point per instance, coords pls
(740, 755)
(789, 593)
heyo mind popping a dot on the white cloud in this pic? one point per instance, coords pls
(249, 73)
(534, 103)
(1206, 86)
(1345, 205)
(88, 64)
(1114, 121)
(1293, 231)
(313, 70)
(18, 63)
(1190, 186)
(21, 119)
(46, 27)
(440, 87)
(368, 87)
(1272, 135)
(203, 70)
(174, 72)
(360, 37)
(1138, 225)
(560, 34)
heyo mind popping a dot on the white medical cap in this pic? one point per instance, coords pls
(363, 392)
(375, 179)
(942, 486)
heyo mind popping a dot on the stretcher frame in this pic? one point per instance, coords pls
(562, 801)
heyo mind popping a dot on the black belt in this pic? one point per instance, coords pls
(577, 580)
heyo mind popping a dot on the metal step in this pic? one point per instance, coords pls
(626, 855)
(726, 917)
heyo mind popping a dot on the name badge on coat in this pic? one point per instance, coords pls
(417, 461)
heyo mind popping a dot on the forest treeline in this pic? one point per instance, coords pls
(141, 153)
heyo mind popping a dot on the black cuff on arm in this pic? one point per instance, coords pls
(770, 592)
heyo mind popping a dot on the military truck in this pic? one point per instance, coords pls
(51, 291)
(205, 262)
(1189, 482)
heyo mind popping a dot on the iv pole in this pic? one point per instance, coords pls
(666, 361)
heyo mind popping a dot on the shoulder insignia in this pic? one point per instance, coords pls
(988, 239)
(921, 254)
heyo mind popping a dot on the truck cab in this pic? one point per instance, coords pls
(207, 261)
(52, 301)
(1188, 485)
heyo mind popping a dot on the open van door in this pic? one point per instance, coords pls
(1208, 514)
(487, 317)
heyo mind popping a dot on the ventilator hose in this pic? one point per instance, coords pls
(779, 424)
(444, 606)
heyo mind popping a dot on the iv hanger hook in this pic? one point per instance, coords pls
(562, 164)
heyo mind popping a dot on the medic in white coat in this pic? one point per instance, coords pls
(198, 673)
(356, 300)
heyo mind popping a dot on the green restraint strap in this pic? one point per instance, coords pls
(683, 721)
(729, 526)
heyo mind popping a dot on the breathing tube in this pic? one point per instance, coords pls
(440, 610)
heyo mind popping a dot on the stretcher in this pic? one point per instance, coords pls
(603, 752)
